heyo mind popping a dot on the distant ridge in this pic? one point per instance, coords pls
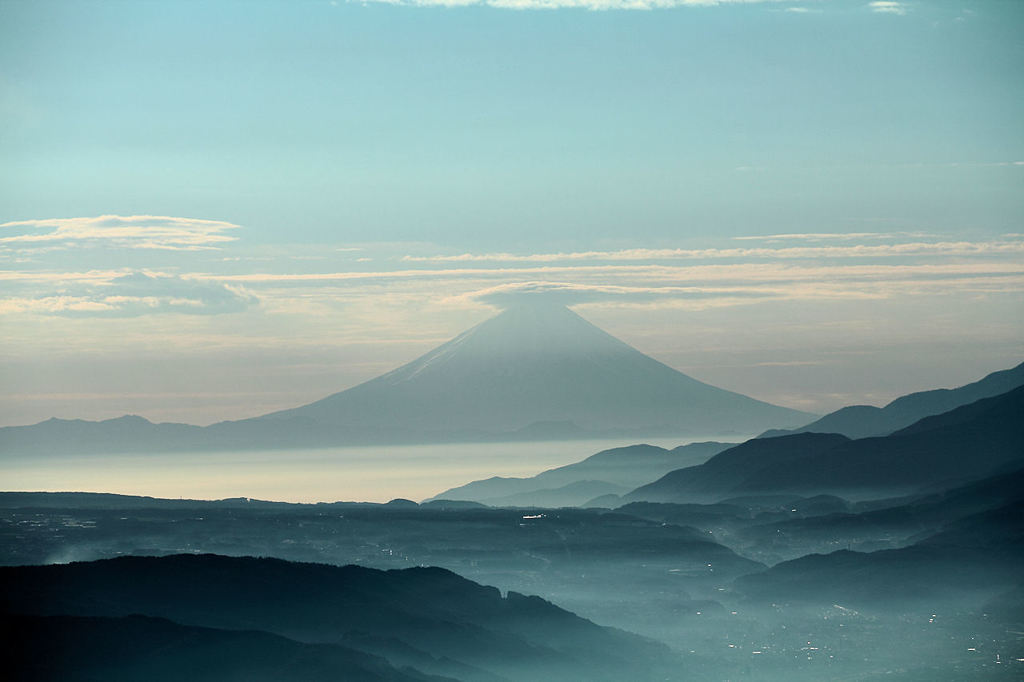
(863, 421)
(530, 373)
(613, 471)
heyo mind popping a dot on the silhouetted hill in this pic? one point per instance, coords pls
(76, 500)
(608, 567)
(863, 421)
(967, 443)
(429, 609)
(619, 469)
(132, 648)
(127, 433)
(781, 536)
(530, 372)
(968, 563)
(725, 473)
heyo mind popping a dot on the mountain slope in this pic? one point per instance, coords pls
(618, 468)
(889, 527)
(725, 473)
(863, 421)
(429, 610)
(531, 372)
(966, 443)
(535, 364)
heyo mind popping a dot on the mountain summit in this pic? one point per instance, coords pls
(535, 365)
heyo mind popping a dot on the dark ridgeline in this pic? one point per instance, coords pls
(863, 421)
(530, 373)
(970, 561)
(966, 443)
(610, 567)
(427, 618)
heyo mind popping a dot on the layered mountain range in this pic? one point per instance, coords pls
(955, 437)
(803, 556)
(270, 619)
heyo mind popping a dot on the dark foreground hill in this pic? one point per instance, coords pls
(863, 421)
(882, 525)
(609, 567)
(968, 563)
(967, 443)
(132, 648)
(425, 616)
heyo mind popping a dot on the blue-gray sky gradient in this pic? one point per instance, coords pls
(212, 210)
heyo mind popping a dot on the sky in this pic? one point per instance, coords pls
(214, 210)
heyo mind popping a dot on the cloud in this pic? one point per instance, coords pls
(826, 236)
(600, 5)
(888, 7)
(569, 293)
(134, 294)
(647, 285)
(133, 232)
(796, 252)
(632, 272)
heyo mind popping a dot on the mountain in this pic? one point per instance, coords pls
(967, 443)
(127, 433)
(611, 568)
(783, 536)
(725, 473)
(532, 365)
(970, 561)
(613, 471)
(426, 614)
(863, 421)
(531, 372)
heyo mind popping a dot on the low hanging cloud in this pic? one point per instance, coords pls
(898, 250)
(831, 236)
(599, 5)
(570, 293)
(135, 294)
(131, 232)
(888, 7)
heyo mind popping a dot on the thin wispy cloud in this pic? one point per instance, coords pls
(961, 248)
(132, 232)
(598, 5)
(736, 271)
(837, 236)
(569, 293)
(633, 277)
(133, 294)
(633, 285)
(888, 7)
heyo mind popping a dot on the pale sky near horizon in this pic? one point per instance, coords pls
(214, 210)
